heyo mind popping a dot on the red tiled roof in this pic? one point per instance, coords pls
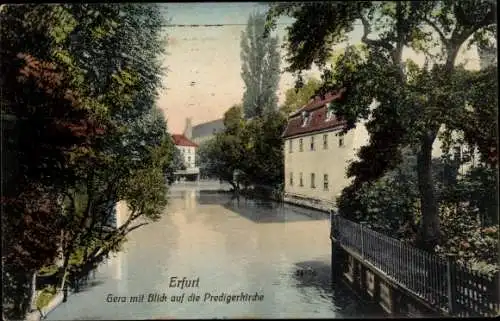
(317, 109)
(181, 140)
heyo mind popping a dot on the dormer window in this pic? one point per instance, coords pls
(305, 118)
(329, 115)
(329, 112)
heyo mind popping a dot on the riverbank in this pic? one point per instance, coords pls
(270, 194)
(42, 313)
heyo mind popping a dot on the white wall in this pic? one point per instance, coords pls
(188, 154)
(332, 161)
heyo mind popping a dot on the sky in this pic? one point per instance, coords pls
(204, 67)
(203, 77)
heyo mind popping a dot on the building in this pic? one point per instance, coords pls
(317, 155)
(203, 132)
(188, 153)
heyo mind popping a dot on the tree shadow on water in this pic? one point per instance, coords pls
(89, 285)
(318, 276)
(261, 210)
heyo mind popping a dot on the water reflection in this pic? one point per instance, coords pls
(250, 246)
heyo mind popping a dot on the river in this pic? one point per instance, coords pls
(230, 246)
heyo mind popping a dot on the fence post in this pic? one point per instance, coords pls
(361, 224)
(451, 283)
(331, 223)
(338, 257)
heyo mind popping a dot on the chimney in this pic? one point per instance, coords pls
(188, 130)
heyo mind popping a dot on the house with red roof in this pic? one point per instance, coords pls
(188, 152)
(316, 154)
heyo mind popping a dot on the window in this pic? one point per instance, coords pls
(341, 141)
(301, 147)
(291, 179)
(312, 142)
(301, 181)
(313, 185)
(329, 115)
(325, 141)
(305, 118)
(290, 146)
(189, 159)
(325, 182)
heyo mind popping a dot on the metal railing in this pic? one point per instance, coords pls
(442, 283)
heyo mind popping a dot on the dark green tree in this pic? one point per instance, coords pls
(177, 163)
(263, 164)
(80, 81)
(260, 68)
(296, 98)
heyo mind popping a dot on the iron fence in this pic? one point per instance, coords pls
(442, 282)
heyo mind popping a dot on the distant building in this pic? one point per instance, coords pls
(188, 152)
(203, 132)
(317, 155)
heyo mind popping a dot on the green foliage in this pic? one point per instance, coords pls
(233, 120)
(253, 148)
(203, 158)
(176, 163)
(263, 164)
(260, 68)
(468, 209)
(81, 81)
(48, 270)
(465, 238)
(387, 205)
(45, 296)
(477, 194)
(413, 102)
(296, 98)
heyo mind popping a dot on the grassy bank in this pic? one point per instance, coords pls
(45, 295)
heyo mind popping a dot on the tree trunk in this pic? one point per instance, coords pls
(33, 292)
(233, 185)
(430, 229)
(64, 286)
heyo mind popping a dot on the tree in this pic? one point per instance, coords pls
(227, 150)
(176, 163)
(124, 72)
(413, 102)
(263, 164)
(296, 98)
(48, 121)
(253, 148)
(260, 68)
(203, 160)
(81, 81)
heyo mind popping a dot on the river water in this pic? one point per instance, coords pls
(230, 246)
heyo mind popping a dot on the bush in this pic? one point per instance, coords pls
(45, 296)
(468, 210)
(387, 205)
(463, 236)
